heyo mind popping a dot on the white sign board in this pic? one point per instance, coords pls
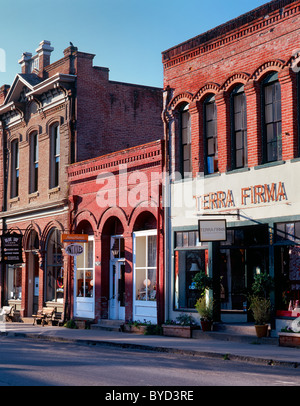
(74, 249)
(212, 230)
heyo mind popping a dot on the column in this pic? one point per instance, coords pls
(223, 125)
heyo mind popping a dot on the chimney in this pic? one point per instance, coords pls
(43, 53)
(25, 62)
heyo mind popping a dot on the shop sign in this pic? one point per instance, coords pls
(74, 249)
(212, 230)
(247, 196)
(74, 238)
(11, 248)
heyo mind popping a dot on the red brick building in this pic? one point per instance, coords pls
(116, 200)
(232, 115)
(55, 114)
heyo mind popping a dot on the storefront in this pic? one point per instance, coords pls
(263, 235)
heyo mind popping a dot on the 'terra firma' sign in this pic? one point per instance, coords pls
(212, 230)
(250, 195)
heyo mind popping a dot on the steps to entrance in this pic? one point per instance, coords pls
(243, 332)
(108, 325)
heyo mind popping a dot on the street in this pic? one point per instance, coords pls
(29, 362)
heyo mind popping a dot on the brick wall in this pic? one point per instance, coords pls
(242, 51)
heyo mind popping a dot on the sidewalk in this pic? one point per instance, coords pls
(208, 346)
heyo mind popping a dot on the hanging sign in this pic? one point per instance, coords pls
(212, 230)
(74, 249)
(11, 248)
(75, 238)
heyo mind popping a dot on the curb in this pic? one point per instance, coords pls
(169, 350)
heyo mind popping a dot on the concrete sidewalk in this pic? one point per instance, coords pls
(206, 346)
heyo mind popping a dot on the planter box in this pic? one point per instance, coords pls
(134, 329)
(177, 331)
(289, 339)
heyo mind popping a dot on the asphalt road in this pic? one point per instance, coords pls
(29, 362)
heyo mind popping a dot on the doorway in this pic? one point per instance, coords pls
(117, 290)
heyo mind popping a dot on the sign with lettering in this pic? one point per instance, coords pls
(74, 249)
(11, 248)
(212, 230)
(248, 196)
(73, 238)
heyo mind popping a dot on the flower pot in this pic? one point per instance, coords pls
(206, 325)
(261, 330)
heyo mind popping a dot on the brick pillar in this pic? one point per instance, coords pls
(223, 125)
(252, 91)
(196, 114)
(99, 303)
(287, 80)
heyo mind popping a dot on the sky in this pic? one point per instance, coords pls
(126, 36)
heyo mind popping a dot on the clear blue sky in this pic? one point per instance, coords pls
(127, 36)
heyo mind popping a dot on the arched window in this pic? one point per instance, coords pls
(54, 268)
(210, 135)
(14, 169)
(272, 139)
(34, 163)
(238, 107)
(185, 142)
(54, 155)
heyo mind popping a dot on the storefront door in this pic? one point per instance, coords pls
(117, 290)
(84, 302)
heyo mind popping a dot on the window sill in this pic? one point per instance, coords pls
(53, 191)
(33, 196)
(238, 170)
(269, 164)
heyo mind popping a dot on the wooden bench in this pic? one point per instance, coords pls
(57, 319)
(44, 316)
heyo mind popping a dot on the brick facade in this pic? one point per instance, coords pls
(94, 116)
(247, 56)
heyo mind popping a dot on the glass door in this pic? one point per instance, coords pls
(117, 290)
(84, 304)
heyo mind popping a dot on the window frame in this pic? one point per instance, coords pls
(185, 142)
(34, 162)
(271, 82)
(210, 100)
(15, 169)
(237, 92)
(54, 155)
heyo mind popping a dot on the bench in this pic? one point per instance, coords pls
(57, 319)
(8, 312)
(44, 316)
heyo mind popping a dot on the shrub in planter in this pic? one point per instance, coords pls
(261, 309)
(205, 308)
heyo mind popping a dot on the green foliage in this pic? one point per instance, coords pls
(202, 282)
(205, 308)
(261, 309)
(70, 324)
(182, 320)
(262, 285)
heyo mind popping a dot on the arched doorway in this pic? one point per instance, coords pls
(32, 272)
(84, 275)
(54, 276)
(113, 265)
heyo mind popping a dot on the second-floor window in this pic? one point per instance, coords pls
(14, 169)
(210, 135)
(54, 156)
(272, 140)
(239, 127)
(34, 163)
(185, 132)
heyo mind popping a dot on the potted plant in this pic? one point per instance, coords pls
(202, 282)
(261, 309)
(204, 307)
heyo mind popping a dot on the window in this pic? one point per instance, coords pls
(145, 267)
(54, 156)
(210, 135)
(272, 142)
(14, 282)
(185, 136)
(189, 260)
(239, 128)
(54, 267)
(15, 169)
(34, 163)
(85, 270)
